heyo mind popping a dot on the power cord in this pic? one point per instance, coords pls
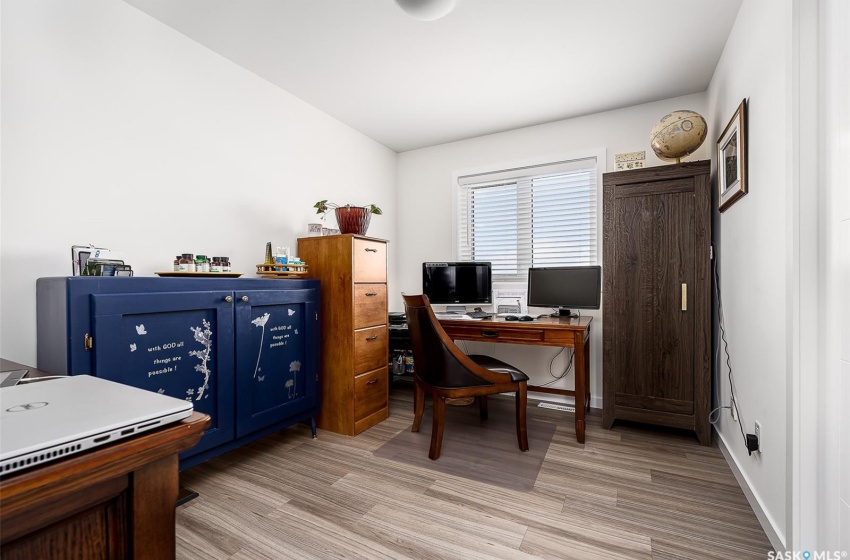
(562, 375)
(711, 417)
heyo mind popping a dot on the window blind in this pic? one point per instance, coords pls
(527, 217)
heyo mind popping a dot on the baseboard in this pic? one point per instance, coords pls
(776, 539)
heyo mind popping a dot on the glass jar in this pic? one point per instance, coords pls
(176, 263)
(225, 264)
(215, 265)
(202, 264)
(187, 263)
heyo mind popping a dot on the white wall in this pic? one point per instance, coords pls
(425, 203)
(833, 458)
(753, 236)
(119, 131)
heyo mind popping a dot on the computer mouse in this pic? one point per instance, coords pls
(511, 318)
(526, 318)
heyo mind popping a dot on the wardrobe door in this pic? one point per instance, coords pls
(653, 329)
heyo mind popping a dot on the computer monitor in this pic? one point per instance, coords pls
(565, 287)
(457, 282)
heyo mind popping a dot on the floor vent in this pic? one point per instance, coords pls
(553, 406)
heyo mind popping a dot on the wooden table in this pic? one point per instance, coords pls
(547, 331)
(115, 501)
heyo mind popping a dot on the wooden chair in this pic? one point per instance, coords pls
(443, 371)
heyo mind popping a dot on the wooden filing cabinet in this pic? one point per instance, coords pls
(352, 270)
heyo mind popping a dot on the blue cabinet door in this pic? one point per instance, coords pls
(277, 356)
(178, 344)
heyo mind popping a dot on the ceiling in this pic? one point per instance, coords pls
(488, 66)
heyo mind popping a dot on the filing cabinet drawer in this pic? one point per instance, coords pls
(370, 349)
(370, 305)
(370, 392)
(370, 260)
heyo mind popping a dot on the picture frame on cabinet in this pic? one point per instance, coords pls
(732, 159)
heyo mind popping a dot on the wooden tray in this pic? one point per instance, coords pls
(281, 270)
(174, 274)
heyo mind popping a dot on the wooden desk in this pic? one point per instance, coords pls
(547, 331)
(115, 501)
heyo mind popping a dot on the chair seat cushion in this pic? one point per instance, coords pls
(498, 366)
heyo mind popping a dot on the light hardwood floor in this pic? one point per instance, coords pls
(627, 493)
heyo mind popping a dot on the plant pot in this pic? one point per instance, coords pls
(353, 219)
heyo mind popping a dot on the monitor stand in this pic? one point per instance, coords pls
(461, 309)
(564, 313)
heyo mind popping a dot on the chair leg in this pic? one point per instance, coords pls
(418, 405)
(521, 403)
(437, 428)
(482, 407)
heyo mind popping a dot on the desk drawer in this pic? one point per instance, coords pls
(370, 349)
(496, 334)
(370, 392)
(370, 260)
(370, 305)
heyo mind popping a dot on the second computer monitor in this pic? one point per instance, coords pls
(565, 287)
(457, 282)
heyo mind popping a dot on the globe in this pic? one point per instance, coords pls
(678, 134)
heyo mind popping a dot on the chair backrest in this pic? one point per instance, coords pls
(434, 362)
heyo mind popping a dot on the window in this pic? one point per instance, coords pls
(542, 215)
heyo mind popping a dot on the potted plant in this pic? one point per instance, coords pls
(351, 219)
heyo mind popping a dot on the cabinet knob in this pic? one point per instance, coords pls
(228, 299)
(244, 298)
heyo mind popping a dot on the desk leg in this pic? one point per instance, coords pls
(581, 388)
(153, 502)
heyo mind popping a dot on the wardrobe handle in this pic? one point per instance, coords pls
(684, 297)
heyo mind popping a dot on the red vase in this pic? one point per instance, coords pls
(353, 219)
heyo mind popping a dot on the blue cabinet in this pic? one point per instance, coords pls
(244, 351)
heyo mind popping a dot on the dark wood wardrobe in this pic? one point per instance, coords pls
(657, 297)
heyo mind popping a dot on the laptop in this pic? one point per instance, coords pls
(47, 420)
(11, 378)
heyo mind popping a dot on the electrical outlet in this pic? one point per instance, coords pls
(758, 434)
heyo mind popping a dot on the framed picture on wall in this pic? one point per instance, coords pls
(732, 159)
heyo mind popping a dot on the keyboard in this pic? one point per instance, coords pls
(479, 314)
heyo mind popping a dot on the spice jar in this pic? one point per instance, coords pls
(187, 263)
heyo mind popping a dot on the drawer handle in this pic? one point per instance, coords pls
(369, 250)
(373, 337)
(372, 382)
(490, 334)
(371, 294)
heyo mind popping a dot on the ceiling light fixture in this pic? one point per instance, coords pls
(426, 10)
